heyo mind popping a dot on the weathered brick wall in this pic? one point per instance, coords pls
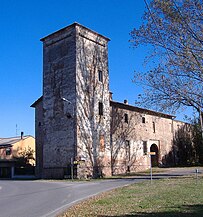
(128, 138)
(59, 81)
(72, 58)
(92, 57)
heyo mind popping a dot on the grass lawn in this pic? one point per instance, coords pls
(174, 197)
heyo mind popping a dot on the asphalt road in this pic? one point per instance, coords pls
(49, 198)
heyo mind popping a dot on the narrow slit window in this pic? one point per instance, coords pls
(154, 129)
(126, 118)
(100, 108)
(100, 75)
(143, 120)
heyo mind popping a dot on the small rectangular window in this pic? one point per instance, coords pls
(100, 75)
(100, 108)
(126, 118)
(154, 129)
(8, 151)
(144, 147)
(102, 143)
(143, 120)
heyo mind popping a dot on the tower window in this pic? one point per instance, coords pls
(143, 120)
(154, 130)
(100, 75)
(100, 108)
(126, 118)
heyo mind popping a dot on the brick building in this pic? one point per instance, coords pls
(77, 120)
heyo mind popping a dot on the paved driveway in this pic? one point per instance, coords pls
(48, 198)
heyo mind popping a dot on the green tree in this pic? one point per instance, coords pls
(197, 140)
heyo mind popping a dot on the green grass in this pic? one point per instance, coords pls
(175, 197)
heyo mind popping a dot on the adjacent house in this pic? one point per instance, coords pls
(15, 153)
(80, 129)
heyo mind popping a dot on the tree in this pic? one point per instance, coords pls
(25, 157)
(197, 139)
(174, 31)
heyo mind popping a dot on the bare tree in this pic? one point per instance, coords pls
(124, 149)
(174, 31)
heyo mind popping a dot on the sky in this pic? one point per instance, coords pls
(24, 22)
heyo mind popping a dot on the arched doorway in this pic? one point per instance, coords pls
(154, 158)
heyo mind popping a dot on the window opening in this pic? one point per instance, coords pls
(100, 108)
(8, 151)
(100, 75)
(126, 118)
(153, 123)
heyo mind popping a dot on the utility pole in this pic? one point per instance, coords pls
(72, 165)
(201, 126)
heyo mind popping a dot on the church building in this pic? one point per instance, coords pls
(80, 130)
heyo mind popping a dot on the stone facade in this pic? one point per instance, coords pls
(92, 100)
(76, 120)
(135, 131)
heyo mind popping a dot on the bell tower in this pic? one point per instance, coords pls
(74, 111)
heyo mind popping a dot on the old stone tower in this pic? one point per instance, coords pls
(73, 115)
(77, 120)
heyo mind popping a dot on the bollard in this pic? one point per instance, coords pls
(196, 172)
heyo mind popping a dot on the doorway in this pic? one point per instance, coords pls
(154, 158)
(5, 172)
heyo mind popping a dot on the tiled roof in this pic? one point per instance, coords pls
(10, 141)
(142, 110)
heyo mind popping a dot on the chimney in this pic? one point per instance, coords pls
(126, 101)
(21, 135)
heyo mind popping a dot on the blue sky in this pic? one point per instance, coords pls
(24, 22)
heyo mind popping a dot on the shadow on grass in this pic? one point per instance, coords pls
(187, 211)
